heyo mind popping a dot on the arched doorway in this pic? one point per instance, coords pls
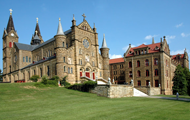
(87, 72)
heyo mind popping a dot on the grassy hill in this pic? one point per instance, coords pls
(23, 101)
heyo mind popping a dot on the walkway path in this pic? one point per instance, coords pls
(168, 98)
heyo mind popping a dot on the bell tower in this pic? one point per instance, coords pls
(105, 55)
(9, 38)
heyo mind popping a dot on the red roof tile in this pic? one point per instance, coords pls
(151, 50)
(117, 60)
(174, 56)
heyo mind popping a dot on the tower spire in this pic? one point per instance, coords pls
(10, 25)
(60, 30)
(104, 45)
(37, 28)
(152, 40)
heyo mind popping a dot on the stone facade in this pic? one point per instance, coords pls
(149, 63)
(74, 54)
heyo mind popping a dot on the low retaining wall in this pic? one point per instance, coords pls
(114, 91)
(154, 91)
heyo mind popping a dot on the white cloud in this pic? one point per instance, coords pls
(126, 47)
(170, 37)
(179, 25)
(114, 56)
(149, 37)
(177, 52)
(184, 35)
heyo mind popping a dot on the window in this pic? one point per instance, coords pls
(63, 44)
(29, 59)
(41, 72)
(167, 73)
(139, 83)
(147, 82)
(68, 69)
(80, 52)
(80, 61)
(63, 59)
(64, 69)
(130, 74)
(138, 63)
(147, 72)
(155, 61)
(166, 63)
(156, 72)
(136, 52)
(23, 59)
(92, 53)
(138, 73)
(34, 72)
(142, 52)
(93, 63)
(26, 58)
(130, 64)
(29, 74)
(145, 52)
(100, 74)
(55, 69)
(67, 45)
(146, 62)
(71, 70)
(139, 52)
(48, 70)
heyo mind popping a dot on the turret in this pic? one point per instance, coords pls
(61, 53)
(37, 32)
(105, 55)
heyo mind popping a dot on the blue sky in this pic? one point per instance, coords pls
(124, 22)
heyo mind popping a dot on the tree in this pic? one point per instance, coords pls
(34, 78)
(179, 81)
(1, 76)
(187, 75)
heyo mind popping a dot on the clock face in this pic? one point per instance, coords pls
(85, 43)
(12, 34)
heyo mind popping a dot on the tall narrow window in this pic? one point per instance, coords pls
(156, 72)
(23, 59)
(55, 69)
(130, 64)
(63, 44)
(142, 52)
(147, 62)
(63, 59)
(155, 61)
(147, 72)
(41, 72)
(67, 45)
(139, 83)
(29, 74)
(48, 70)
(29, 59)
(26, 58)
(138, 73)
(138, 63)
(64, 69)
(156, 83)
(130, 73)
(34, 72)
(68, 69)
(139, 52)
(71, 70)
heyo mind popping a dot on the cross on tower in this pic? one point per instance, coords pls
(37, 19)
(36, 32)
(10, 11)
(83, 16)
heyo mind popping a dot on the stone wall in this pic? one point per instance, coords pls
(114, 91)
(154, 91)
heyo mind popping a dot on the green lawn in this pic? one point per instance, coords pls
(20, 101)
(174, 96)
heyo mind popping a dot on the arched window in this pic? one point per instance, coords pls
(147, 72)
(87, 69)
(63, 59)
(138, 63)
(130, 73)
(64, 68)
(139, 83)
(138, 73)
(147, 62)
(68, 69)
(130, 64)
(155, 61)
(156, 72)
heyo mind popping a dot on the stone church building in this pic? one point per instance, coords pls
(73, 53)
(148, 63)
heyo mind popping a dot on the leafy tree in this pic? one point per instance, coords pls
(34, 78)
(180, 83)
(1, 76)
(64, 81)
(187, 75)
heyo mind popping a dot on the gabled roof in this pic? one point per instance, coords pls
(116, 60)
(150, 50)
(26, 47)
(174, 56)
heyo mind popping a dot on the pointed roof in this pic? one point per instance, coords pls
(60, 29)
(104, 45)
(10, 25)
(37, 29)
(36, 37)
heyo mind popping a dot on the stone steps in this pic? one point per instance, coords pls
(138, 92)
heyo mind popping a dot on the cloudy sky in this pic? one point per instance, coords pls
(124, 22)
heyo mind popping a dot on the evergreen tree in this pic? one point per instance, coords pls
(179, 81)
(187, 75)
(1, 77)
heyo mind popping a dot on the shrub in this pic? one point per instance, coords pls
(44, 79)
(52, 82)
(39, 84)
(85, 87)
(34, 78)
(64, 82)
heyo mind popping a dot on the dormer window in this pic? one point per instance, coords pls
(85, 28)
(130, 52)
(156, 48)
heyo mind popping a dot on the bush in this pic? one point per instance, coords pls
(64, 82)
(52, 82)
(34, 78)
(39, 84)
(85, 87)
(47, 83)
(44, 80)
